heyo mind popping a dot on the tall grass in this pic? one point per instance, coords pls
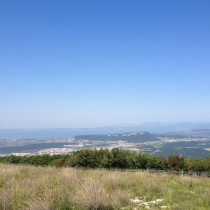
(36, 188)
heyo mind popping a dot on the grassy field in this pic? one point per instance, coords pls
(36, 188)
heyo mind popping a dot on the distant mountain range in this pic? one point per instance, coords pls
(187, 133)
(145, 136)
(167, 129)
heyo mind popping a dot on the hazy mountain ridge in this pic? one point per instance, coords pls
(196, 133)
(154, 128)
(129, 137)
(145, 136)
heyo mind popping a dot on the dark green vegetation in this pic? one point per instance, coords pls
(129, 137)
(115, 158)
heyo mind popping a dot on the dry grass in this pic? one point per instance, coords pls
(92, 195)
(37, 188)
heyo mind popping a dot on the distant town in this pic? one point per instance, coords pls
(189, 144)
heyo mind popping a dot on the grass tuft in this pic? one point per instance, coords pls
(37, 188)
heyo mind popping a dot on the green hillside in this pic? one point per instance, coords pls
(130, 137)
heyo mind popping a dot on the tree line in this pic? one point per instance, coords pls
(115, 158)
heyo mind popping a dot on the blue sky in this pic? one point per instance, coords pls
(78, 63)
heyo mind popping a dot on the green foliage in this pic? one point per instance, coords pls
(116, 158)
(176, 163)
(198, 165)
(156, 162)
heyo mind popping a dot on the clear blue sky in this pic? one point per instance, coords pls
(79, 63)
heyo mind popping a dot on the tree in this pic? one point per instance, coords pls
(176, 163)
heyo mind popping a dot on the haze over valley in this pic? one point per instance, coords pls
(194, 143)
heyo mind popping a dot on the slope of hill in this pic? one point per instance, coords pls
(196, 133)
(28, 187)
(129, 137)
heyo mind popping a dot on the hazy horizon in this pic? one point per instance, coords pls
(143, 124)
